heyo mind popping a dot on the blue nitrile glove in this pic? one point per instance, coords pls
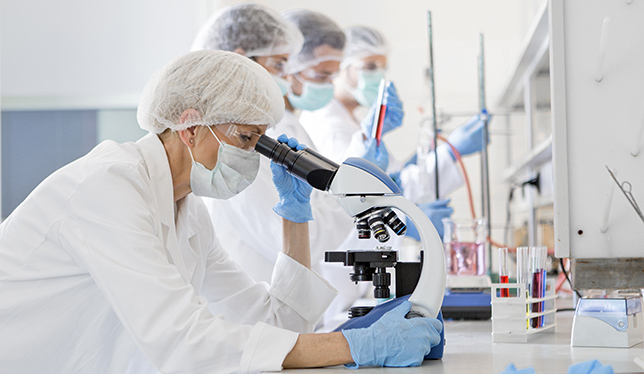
(295, 195)
(377, 154)
(435, 211)
(590, 367)
(394, 340)
(393, 114)
(468, 138)
(511, 369)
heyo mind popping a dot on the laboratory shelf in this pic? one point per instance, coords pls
(532, 59)
(537, 156)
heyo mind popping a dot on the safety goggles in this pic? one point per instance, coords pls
(318, 76)
(239, 136)
(276, 65)
(370, 66)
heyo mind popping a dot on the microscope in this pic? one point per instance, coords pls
(369, 195)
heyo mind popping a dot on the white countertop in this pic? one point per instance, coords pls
(469, 348)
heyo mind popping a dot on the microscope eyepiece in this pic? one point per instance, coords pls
(306, 164)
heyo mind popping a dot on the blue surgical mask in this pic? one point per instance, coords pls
(366, 91)
(314, 95)
(284, 85)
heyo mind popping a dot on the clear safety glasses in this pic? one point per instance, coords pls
(318, 76)
(241, 136)
(370, 66)
(274, 65)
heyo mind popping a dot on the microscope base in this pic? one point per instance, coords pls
(467, 305)
(378, 311)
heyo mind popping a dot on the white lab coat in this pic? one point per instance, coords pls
(95, 277)
(335, 132)
(256, 250)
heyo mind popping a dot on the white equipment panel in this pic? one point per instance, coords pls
(597, 83)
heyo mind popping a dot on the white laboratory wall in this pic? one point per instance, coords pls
(92, 51)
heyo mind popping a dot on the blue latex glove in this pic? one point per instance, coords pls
(590, 367)
(393, 340)
(435, 211)
(295, 195)
(377, 154)
(511, 369)
(468, 138)
(393, 115)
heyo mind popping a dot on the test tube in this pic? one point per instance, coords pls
(537, 287)
(523, 270)
(542, 263)
(504, 277)
(523, 266)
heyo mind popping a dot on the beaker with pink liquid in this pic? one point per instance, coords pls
(464, 242)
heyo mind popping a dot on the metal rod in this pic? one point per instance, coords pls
(485, 178)
(433, 94)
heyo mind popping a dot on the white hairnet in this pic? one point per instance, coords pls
(318, 30)
(256, 29)
(224, 87)
(363, 41)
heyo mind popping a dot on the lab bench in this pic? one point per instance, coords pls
(469, 348)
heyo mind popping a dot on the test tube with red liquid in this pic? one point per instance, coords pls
(504, 276)
(380, 116)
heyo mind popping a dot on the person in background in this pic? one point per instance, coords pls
(111, 263)
(309, 74)
(254, 31)
(336, 129)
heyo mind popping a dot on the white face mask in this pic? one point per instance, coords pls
(235, 170)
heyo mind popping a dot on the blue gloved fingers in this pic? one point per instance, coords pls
(439, 203)
(281, 179)
(436, 211)
(468, 138)
(511, 369)
(293, 143)
(590, 367)
(294, 194)
(394, 114)
(376, 154)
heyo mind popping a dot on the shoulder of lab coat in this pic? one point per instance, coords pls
(332, 128)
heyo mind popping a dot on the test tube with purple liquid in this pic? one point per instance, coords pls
(538, 282)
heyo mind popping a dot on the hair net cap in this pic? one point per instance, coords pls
(363, 41)
(224, 87)
(258, 30)
(318, 30)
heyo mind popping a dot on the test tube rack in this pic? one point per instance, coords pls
(511, 315)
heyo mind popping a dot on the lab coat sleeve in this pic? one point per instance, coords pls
(111, 228)
(418, 183)
(295, 300)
